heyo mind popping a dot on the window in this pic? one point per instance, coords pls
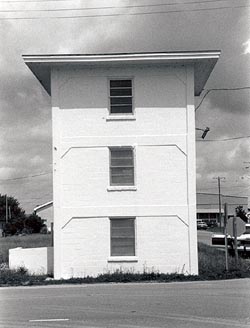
(121, 166)
(122, 237)
(120, 96)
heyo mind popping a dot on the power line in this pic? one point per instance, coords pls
(226, 139)
(27, 176)
(219, 89)
(242, 191)
(125, 14)
(112, 7)
(151, 5)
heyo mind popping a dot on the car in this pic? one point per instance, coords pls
(243, 242)
(201, 225)
(212, 224)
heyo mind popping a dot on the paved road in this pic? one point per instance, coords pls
(197, 304)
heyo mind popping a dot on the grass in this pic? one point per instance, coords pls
(28, 241)
(211, 267)
(212, 264)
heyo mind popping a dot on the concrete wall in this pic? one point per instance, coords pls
(163, 199)
(35, 260)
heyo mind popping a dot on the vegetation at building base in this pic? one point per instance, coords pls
(14, 219)
(211, 267)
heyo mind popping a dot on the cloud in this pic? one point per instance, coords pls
(25, 115)
(247, 47)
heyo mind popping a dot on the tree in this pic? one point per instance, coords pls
(241, 213)
(16, 215)
(18, 221)
(33, 223)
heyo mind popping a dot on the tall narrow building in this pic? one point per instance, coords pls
(124, 159)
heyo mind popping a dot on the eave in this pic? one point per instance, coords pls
(202, 61)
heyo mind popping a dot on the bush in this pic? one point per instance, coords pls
(18, 277)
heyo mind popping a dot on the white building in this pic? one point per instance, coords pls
(46, 213)
(124, 159)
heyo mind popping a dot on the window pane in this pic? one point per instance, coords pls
(122, 237)
(121, 109)
(122, 176)
(121, 92)
(121, 167)
(121, 101)
(127, 162)
(121, 97)
(120, 83)
(122, 157)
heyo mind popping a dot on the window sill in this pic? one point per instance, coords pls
(129, 117)
(122, 188)
(123, 259)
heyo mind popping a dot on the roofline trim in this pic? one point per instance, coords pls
(43, 206)
(166, 56)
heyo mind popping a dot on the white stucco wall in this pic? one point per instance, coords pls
(162, 134)
(36, 260)
(86, 247)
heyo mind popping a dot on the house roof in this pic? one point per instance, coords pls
(203, 62)
(43, 206)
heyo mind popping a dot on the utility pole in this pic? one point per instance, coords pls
(225, 233)
(6, 210)
(235, 240)
(219, 195)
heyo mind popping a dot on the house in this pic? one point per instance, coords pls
(124, 159)
(45, 211)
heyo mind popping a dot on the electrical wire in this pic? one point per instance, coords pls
(219, 89)
(125, 14)
(114, 7)
(27, 177)
(168, 4)
(226, 139)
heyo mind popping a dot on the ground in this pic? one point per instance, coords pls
(194, 304)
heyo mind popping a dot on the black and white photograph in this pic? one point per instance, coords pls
(125, 163)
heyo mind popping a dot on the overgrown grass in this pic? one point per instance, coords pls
(34, 240)
(19, 277)
(211, 267)
(212, 264)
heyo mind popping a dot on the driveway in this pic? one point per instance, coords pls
(193, 304)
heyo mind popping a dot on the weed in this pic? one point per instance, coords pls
(211, 266)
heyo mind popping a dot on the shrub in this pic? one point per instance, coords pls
(18, 277)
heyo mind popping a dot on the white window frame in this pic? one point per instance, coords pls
(120, 116)
(124, 258)
(113, 187)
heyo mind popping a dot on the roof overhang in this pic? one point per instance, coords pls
(43, 206)
(202, 61)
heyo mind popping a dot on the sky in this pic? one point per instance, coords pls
(30, 27)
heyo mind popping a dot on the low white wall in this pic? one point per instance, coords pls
(35, 260)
